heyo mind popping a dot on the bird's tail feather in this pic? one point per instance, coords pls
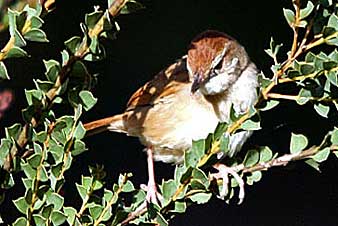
(113, 123)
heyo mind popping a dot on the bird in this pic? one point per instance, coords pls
(186, 101)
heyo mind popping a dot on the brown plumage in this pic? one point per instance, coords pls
(187, 100)
(159, 112)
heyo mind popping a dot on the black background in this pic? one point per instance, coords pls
(151, 40)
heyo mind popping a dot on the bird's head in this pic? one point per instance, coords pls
(215, 61)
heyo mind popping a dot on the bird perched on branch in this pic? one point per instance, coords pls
(187, 100)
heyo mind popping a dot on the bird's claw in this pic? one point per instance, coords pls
(223, 173)
(153, 196)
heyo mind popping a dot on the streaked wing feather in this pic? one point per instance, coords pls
(162, 85)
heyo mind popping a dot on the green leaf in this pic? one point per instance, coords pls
(328, 65)
(19, 40)
(16, 52)
(193, 155)
(58, 218)
(333, 21)
(97, 185)
(56, 200)
(307, 10)
(88, 99)
(322, 110)
(52, 69)
(12, 21)
(332, 77)
(304, 96)
(180, 207)
(35, 160)
(5, 146)
(313, 164)
(168, 189)
(70, 212)
(160, 220)
(269, 105)
(128, 187)
(199, 175)
(186, 174)
(265, 154)
(224, 143)
(254, 177)
(298, 143)
(131, 7)
(36, 35)
(57, 152)
(289, 16)
(82, 191)
(302, 23)
(43, 174)
(28, 170)
(68, 161)
(27, 183)
(65, 57)
(95, 210)
(322, 155)
(33, 96)
(80, 131)
(79, 70)
(3, 71)
(108, 195)
(263, 80)
(44, 86)
(332, 41)
(306, 69)
(36, 22)
(198, 147)
(334, 136)
(20, 222)
(79, 147)
(21, 204)
(92, 18)
(251, 125)
(39, 220)
(47, 210)
(87, 182)
(201, 198)
(73, 44)
(40, 137)
(251, 158)
(220, 130)
(13, 131)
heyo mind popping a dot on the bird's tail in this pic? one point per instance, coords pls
(113, 123)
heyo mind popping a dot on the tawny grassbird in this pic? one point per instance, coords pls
(187, 100)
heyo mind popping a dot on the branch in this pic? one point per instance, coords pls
(63, 75)
(295, 98)
(282, 160)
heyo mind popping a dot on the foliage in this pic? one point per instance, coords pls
(45, 146)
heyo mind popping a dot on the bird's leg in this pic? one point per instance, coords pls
(223, 173)
(152, 194)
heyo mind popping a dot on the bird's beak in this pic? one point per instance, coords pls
(196, 83)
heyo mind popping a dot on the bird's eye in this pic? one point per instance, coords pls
(218, 66)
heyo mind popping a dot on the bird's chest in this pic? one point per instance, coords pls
(188, 119)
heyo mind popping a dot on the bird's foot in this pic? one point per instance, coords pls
(153, 196)
(223, 174)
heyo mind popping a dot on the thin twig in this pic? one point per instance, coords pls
(282, 160)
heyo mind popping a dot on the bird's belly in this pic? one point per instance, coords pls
(184, 125)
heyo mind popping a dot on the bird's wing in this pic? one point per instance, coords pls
(161, 86)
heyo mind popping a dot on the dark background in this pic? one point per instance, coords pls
(151, 40)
